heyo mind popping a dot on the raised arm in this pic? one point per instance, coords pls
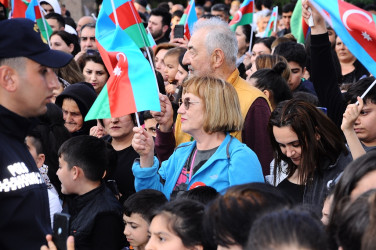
(323, 73)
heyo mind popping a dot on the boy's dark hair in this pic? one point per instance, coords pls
(178, 13)
(230, 217)
(356, 229)
(288, 7)
(203, 194)
(307, 97)
(147, 115)
(289, 228)
(163, 5)
(267, 3)
(293, 52)
(258, 4)
(221, 7)
(59, 18)
(166, 16)
(185, 220)
(145, 202)
(358, 88)
(87, 152)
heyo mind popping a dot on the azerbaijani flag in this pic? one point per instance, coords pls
(19, 8)
(33, 12)
(299, 28)
(272, 24)
(151, 40)
(356, 28)
(128, 19)
(132, 86)
(189, 18)
(243, 16)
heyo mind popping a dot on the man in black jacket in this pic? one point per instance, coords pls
(26, 85)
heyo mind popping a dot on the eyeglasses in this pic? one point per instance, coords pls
(186, 102)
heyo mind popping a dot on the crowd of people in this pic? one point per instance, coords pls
(260, 143)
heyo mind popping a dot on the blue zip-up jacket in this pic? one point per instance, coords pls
(232, 164)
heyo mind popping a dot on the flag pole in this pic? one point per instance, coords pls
(149, 58)
(115, 14)
(250, 40)
(275, 21)
(147, 50)
(366, 92)
(189, 12)
(44, 24)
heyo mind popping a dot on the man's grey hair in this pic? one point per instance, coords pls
(219, 36)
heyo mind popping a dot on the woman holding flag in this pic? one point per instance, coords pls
(210, 111)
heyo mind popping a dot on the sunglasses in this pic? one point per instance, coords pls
(186, 102)
(92, 52)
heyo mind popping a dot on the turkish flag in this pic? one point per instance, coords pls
(360, 25)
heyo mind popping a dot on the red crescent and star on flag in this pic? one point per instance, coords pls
(360, 25)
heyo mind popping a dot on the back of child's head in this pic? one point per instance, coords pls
(358, 88)
(175, 52)
(185, 218)
(293, 52)
(203, 194)
(357, 223)
(230, 217)
(287, 229)
(87, 152)
(307, 97)
(144, 203)
(272, 80)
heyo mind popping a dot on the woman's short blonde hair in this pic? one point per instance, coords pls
(221, 102)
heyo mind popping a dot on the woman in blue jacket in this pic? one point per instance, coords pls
(210, 111)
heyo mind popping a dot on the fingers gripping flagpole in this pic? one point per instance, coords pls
(366, 92)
